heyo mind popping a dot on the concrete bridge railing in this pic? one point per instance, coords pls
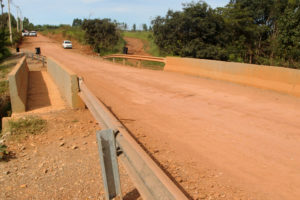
(18, 85)
(280, 79)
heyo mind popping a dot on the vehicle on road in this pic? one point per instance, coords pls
(33, 33)
(25, 33)
(67, 44)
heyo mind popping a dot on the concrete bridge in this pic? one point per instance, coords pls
(240, 121)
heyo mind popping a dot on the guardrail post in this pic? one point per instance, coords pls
(139, 63)
(124, 61)
(114, 60)
(109, 164)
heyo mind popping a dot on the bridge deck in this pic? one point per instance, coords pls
(214, 137)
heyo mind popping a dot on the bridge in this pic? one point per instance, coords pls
(238, 123)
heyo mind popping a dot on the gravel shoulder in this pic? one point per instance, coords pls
(59, 163)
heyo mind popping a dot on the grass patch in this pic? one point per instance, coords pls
(22, 127)
(148, 41)
(153, 65)
(144, 64)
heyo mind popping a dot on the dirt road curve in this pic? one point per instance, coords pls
(218, 140)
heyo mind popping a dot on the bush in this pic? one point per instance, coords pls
(102, 35)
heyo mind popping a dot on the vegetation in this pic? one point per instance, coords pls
(26, 125)
(4, 35)
(251, 31)
(67, 31)
(4, 52)
(102, 35)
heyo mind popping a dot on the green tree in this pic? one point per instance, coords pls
(195, 32)
(145, 27)
(77, 22)
(101, 34)
(134, 27)
(4, 20)
(288, 39)
(27, 25)
(4, 52)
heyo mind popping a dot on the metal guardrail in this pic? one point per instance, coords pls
(38, 57)
(136, 57)
(151, 182)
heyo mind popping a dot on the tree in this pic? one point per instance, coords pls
(102, 35)
(4, 20)
(288, 39)
(195, 32)
(27, 25)
(145, 27)
(4, 52)
(134, 27)
(77, 22)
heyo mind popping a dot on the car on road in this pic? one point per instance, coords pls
(33, 33)
(67, 44)
(25, 33)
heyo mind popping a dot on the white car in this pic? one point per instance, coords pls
(33, 33)
(67, 44)
(25, 33)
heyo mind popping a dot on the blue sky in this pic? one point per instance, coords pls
(130, 11)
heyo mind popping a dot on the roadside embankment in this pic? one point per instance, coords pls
(66, 81)
(279, 79)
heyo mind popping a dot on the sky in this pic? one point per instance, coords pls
(131, 11)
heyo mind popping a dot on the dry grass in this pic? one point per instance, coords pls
(21, 128)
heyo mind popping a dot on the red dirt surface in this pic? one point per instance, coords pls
(218, 140)
(61, 162)
(135, 46)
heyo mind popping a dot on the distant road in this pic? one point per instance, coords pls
(217, 139)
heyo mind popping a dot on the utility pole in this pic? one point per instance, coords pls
(18, 20)
(9, 21)
(2, 6)
(21, 20)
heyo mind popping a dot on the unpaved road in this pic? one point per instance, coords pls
(218, 140)
(135, 46)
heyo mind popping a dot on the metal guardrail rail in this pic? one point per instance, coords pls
(34, 56)
(137, 57)
(151, 182)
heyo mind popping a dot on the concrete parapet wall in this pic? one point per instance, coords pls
(18, 85)
(279, 79)
(66, 81)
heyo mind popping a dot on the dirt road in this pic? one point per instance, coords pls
(135, 46)
(217, 139)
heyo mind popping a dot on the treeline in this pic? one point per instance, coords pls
(250, 31)
(4, 33)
